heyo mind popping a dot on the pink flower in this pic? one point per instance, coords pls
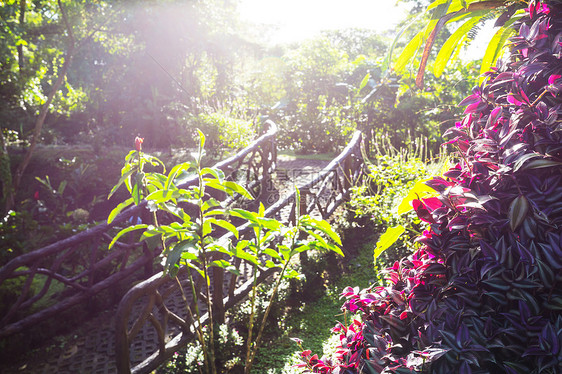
(553, 78)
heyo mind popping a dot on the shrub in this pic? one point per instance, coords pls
(483, 292)
(392, 173)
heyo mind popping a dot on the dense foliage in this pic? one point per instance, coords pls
(482, 294)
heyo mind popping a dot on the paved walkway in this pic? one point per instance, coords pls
(90, 348)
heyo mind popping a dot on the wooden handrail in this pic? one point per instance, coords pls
(50, 260)
(345, 168)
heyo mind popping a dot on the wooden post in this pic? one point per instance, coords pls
(347, 174)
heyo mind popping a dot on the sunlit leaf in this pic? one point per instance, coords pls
(217, 173)
(123, 178)
(124, 231)
(118, 209)
(496, 45)
(387, 239)
(452, 44)
(322, 226)
(174, 172)
(224, 224)
(364, 81)
(420, 190)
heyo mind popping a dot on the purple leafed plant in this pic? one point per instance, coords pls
(484, 292)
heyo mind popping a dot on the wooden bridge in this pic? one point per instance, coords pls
(150, 321)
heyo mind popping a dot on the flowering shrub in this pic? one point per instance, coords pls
(482, 294)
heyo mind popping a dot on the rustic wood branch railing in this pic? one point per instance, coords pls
(321, 195)
(69, 272)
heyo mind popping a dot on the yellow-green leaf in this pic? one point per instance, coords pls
(387, 239)
(420, 190)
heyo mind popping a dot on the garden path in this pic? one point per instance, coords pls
(90, 349)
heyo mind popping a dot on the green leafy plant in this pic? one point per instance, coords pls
(191, 241)
(469, 13)
(395, 180)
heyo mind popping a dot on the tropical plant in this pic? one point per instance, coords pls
(468, 15)
(482, 294)
(189, 242)
(394, 180)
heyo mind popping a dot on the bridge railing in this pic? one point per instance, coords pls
(59, 276)
(150, 313)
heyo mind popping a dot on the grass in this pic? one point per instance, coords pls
(313, 321)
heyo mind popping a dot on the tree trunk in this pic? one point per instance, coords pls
(43, 113)
(22, 25)
(5, 175)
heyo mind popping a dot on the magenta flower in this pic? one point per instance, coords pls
(553, 78)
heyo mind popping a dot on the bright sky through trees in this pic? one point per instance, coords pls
(297, 20)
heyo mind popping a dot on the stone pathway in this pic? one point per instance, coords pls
(91, 348)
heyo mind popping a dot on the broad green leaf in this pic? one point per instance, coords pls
(217, 173)
(189, 256)
(224, 224)
(452, 44)
(136, 191)
(495, 45)
(208, 204)
(388, 58)
(517, 211)
(245, 214)
(269, 223)
(409, 51)
(214, 184)
(387, 239)
(270, 264)
(365, 81)
(201, 139)
(207, 228)
(175, 171)
(155, 181)
(215, 212)
(240, 252)
(188, 249)
(118, 209)
(455, 4)
(160, 196)
(323, 244)
(124, 177)
(126, 230)
(151, 231)
(285, 252)
(175, 210)
(273, 253)
(292, 274)
(323, 227)
(236, 188)
(173, 257)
